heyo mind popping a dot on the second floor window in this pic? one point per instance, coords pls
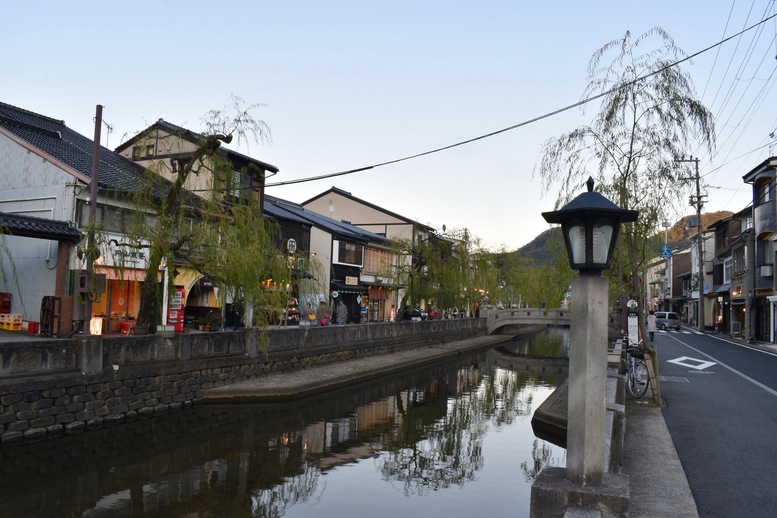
(738, 259)
(765, 252)
(378, 262)
(727, 270)
(349, 253)
(765, 192)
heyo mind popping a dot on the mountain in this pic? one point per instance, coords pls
(538, 248)
(678, 236)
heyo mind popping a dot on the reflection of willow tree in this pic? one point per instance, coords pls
(285, 477)
(427, 456)
(541, 458)
(273, 502)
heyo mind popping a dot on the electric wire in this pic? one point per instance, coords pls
(526, 122)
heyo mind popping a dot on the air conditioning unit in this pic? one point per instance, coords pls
(766, 270)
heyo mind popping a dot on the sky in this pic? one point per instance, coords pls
(346, 84)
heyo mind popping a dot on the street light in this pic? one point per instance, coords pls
(590, 224)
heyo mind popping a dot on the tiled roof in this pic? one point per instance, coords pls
(296, 212)
(27, 226)
(193, 137)
(348, 195)
(71, 148)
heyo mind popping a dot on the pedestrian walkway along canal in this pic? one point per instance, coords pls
(450, 439)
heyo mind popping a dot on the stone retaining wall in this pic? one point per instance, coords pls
(53, 387)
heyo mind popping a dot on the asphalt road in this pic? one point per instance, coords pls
(721, 411)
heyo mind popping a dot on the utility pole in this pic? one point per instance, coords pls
(697, 201)
(91, 244)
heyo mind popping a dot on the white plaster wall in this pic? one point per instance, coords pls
(31, 185)
(321, 245)
(362, 216)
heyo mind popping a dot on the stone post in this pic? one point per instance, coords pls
(587, 380)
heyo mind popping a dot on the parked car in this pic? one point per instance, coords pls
(667, 320)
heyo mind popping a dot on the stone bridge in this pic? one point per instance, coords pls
(499, 318)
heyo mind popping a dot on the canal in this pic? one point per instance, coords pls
(453, 439)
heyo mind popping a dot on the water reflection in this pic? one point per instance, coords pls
(463, 424)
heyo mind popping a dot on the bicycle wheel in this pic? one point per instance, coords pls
(637, 379)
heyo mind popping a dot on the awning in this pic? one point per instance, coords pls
(723, 288)
(349, 288)
(28, 226)
(126, 274)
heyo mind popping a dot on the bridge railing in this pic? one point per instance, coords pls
(526, 316)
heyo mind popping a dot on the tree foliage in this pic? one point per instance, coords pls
(224, 239)
(649, 117)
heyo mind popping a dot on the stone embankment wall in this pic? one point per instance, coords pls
(53, 387)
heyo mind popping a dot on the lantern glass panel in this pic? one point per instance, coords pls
(577, 242)
(602, 235)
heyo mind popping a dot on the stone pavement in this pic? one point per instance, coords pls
(658, 486)
(284, 386)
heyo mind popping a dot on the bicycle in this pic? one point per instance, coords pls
(637, 376)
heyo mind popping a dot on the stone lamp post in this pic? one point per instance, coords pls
(590, 224)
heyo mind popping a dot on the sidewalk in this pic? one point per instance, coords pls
(658, 486)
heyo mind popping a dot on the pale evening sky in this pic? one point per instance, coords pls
(350, 84)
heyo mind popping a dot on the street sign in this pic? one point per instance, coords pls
(665, 252)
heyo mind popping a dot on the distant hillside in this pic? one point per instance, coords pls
(538, 248)
(678, 236)
(680, 233)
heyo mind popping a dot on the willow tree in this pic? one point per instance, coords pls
(448, 270)
(534, 284)
(176, 225)
(649, 118)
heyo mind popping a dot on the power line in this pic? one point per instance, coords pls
(524, 123)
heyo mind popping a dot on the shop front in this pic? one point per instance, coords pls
(380, 299)
(118, 306)
(353, 294)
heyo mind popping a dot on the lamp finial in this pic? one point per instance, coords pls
(590, 184)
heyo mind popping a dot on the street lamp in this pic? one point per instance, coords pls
(590, 224)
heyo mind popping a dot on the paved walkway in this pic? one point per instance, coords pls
(296, 384)
(658, 486)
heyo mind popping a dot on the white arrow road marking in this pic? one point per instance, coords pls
(691, 363)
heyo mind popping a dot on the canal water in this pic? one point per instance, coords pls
(454, 439)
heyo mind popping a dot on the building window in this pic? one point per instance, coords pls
(727, 269)
(765, 193)
(349, 253)
(738, 259)
(378, 262)
(765, 252)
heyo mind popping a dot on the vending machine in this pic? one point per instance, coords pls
(175, 312)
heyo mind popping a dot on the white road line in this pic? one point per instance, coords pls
(741, 374)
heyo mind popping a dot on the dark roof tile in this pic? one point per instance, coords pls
(28, 226)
